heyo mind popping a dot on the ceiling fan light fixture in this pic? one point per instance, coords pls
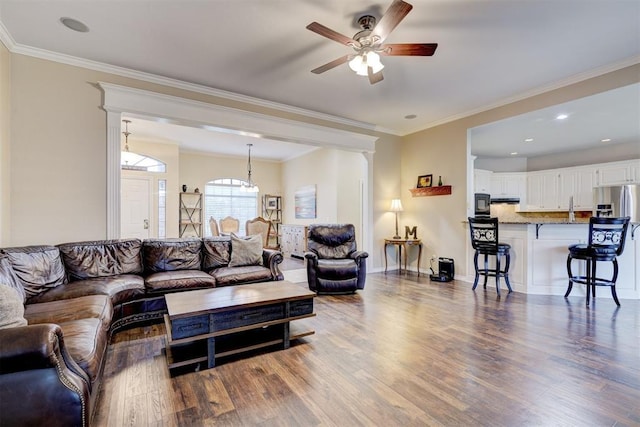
(361, 62)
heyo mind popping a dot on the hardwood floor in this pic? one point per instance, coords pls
(404, 351)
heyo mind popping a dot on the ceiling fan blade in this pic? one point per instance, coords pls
(391, 18)
(374, 77)
(330, 65)
(409, 49)
(330, 34)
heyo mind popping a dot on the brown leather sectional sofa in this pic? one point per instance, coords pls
(76, 294)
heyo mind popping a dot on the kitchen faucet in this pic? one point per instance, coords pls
(572, 215)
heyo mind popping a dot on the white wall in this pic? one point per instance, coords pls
(337, 176)
(5, 137)
(518, 164)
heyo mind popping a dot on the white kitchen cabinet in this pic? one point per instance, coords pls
(618, 173)
(542, 191)
(505, 184)
(481, 181)
(577, 182)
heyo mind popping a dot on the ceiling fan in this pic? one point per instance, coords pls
(367, 43)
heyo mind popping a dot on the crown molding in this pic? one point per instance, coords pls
(13, 47)
(576, 78)
(17, 48)
(6, 38)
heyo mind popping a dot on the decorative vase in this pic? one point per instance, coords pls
(184, 188)
(440, 180)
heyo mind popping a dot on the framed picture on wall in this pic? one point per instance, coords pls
(305, 202)
(272, 203)
(425, 181)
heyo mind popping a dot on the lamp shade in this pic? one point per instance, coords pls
(396, 205)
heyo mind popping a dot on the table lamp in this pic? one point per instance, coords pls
(396, 206)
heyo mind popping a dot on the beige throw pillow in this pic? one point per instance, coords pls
(11, 308)
(246, 251)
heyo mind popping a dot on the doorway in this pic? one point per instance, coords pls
(135, 207)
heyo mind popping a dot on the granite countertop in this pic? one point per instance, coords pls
(545, 221)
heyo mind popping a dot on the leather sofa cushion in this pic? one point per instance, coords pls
(39, 268)
(86, 341)
(226, 276)
(119, 289)
(216, 252)
(337, 269)
(87, 307)
(161, 255)
(8, 277)
(169, 281)
(102, 258)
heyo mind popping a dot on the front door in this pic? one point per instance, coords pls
(135, 207)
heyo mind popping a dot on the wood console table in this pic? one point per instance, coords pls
(402, 244)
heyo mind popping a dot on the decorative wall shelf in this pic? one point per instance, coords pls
(441, 190)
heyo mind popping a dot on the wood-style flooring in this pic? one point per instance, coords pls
(403, 352)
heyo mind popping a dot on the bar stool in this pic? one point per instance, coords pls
(484, 239)
(606, 243)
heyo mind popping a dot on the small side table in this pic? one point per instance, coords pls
(403, 244)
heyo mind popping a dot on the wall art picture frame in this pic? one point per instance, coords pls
(425, 181)
(272, 203)
(305, 202)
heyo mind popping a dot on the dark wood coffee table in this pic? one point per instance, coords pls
(209, 323)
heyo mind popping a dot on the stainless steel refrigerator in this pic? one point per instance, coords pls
(617, 201)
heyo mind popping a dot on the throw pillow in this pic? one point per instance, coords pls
(246, 251)
(11, 308)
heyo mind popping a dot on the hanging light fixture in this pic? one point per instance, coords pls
(361, 62)
(126, 134)
(249, 186)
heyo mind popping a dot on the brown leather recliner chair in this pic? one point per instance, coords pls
(334, 265)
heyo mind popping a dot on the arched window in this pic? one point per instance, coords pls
(225, 197)
(138, 162)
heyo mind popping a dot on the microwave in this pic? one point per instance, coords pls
(482, 205)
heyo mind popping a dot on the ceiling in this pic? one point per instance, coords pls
(611, 117)
(490, 52)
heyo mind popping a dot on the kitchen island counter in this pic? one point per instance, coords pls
(539, 249)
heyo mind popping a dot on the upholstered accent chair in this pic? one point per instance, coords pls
(334, 265)
(229, 225)
(213, 225)
(262, 227)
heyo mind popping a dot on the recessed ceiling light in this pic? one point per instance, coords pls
(528, 140)
(74, 24)
(410, 116)
(606, 140)
(514, 153)
(561, 116)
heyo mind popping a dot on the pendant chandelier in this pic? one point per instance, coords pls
(249, 186)
(126, 134)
